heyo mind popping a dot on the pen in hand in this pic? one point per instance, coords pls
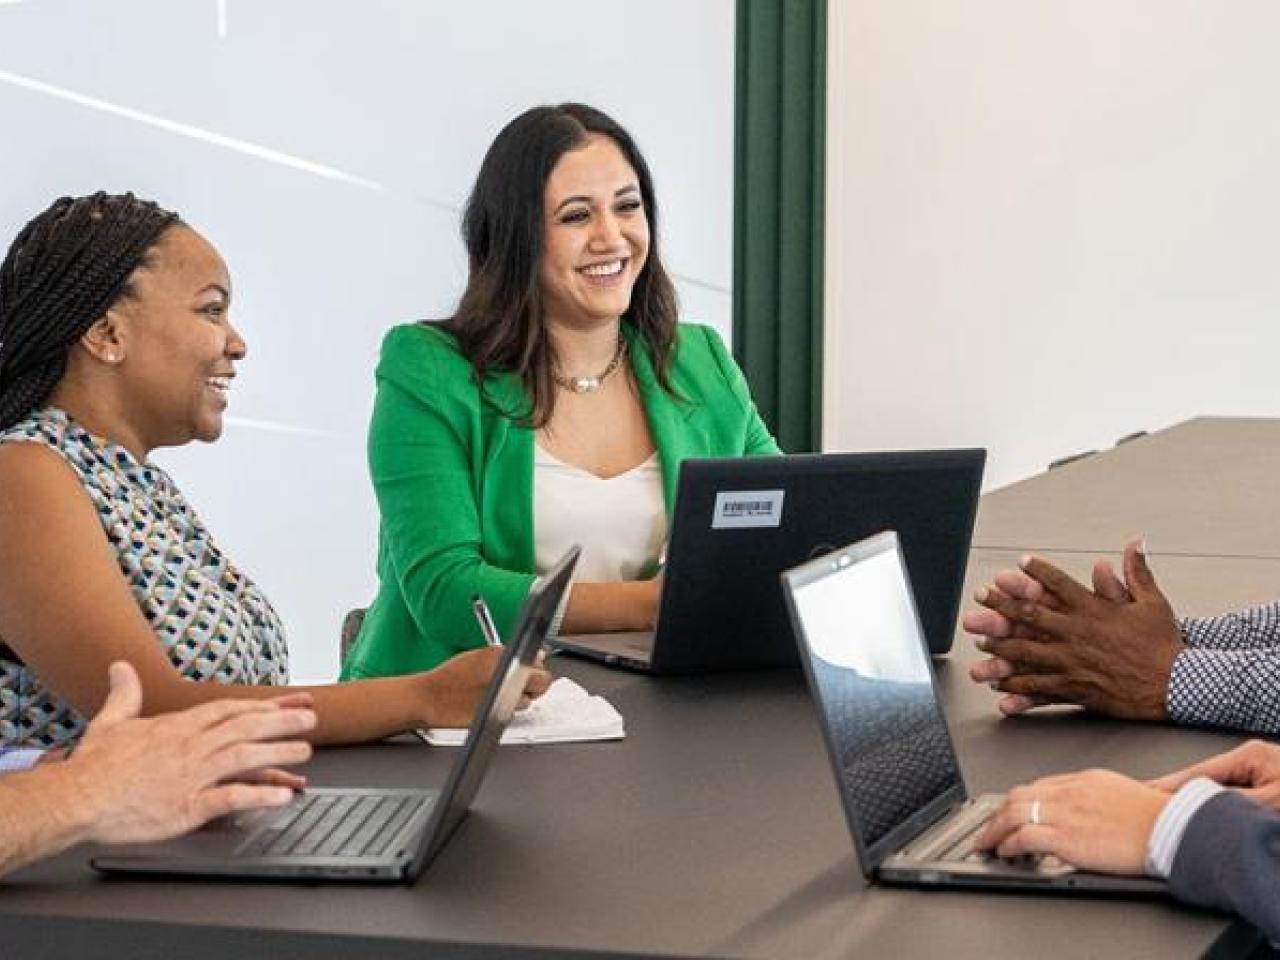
(487, 627)
(485, 619)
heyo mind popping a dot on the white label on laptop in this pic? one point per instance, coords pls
(736, 509)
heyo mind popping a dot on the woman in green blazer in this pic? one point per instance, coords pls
(564, 351)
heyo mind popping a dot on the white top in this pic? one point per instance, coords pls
(620, 523)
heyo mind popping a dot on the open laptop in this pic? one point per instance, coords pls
(739, 522)
(911, 818)
(362, 834)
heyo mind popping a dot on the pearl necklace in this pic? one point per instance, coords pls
(591, 384)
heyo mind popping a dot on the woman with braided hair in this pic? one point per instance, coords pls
(115, 339)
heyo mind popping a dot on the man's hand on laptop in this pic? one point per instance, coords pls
(1053, 640)
(1095, 820)
(137, 779)
(453, 689)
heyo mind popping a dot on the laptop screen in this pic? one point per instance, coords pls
(494, 712)
(868, 664)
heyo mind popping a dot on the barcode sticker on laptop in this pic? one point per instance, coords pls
(736, 509)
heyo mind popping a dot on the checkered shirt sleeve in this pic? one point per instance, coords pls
(1245, 629)
(1229, 675)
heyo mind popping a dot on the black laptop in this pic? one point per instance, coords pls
(362, 833)
(911, 818)
(740, 522)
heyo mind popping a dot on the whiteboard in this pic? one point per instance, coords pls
(326, 148)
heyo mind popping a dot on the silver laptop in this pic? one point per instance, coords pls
(911, 818)
(362, 834)
(738, 522)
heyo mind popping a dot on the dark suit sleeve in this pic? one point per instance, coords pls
(1229, 858)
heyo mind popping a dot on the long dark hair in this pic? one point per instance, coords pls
(65, 269)
(499, 319)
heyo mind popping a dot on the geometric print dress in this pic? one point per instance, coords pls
(211, 619)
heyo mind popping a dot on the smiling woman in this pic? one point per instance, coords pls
(116, 339)
(179, 371)
(554, 406)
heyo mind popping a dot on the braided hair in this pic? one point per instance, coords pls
(66, 268)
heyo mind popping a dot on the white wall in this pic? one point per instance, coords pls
(1049, 223)
(326, 147)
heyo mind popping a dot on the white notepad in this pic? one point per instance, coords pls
(566, 713)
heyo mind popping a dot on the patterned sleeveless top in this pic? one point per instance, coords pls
(210, 618)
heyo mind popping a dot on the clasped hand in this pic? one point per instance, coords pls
(1110, 649)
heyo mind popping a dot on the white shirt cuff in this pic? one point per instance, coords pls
(1166, 836)
(16, 759)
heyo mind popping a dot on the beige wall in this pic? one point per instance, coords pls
(1050, 222)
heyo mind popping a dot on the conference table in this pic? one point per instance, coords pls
(712, 830)
(1205, 487)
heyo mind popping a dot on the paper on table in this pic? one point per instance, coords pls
(566, 713)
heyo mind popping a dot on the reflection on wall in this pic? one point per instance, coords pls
(326, 148)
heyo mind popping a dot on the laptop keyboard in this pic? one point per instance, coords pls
(964, 851)
(957, 844)
(327, 825)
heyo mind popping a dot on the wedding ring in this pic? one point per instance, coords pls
(1035, 812)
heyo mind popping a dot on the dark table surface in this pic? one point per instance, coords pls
(713, 829)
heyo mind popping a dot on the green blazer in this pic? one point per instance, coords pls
(453, 473)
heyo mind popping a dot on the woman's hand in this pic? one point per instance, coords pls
(1054, 641)
(612, 607)
(648, 596)
(1095, 820)
(1253, 768)
(452, 691)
